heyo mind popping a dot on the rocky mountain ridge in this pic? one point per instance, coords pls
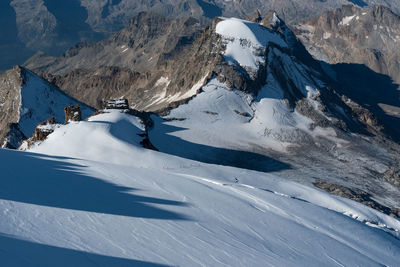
(362, 47)
(54, 26)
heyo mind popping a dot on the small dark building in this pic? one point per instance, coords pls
(117, 104)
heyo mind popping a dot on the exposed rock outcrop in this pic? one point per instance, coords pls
(355, 35)
(356, 195)
(43, 130)
(73, 113)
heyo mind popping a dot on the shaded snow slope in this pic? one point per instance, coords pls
(25, 101)
(41, 100)
(119, 204)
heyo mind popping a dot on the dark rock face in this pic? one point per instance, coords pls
(141, 58)
(10, 100)
(355, 35)
(139, 46)
(97, 86)
(42, 130)
(362, 47)
(73, 113)
(13, 137)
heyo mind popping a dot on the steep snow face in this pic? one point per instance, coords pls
(133, 206)
(41, 101)
(246, 41)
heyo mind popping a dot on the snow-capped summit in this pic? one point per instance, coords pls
(245, 41)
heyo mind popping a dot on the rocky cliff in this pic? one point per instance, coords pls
(362, 46)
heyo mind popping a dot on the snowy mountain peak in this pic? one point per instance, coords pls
(246, 41)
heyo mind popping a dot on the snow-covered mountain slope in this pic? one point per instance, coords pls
(25, 101)
(95, 197)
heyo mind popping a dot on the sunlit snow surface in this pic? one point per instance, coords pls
(98, 199)
(246, 41)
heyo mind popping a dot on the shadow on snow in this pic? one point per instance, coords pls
(47, 181)
(162, 139)
(17, 252)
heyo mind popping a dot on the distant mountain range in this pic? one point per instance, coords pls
(29, 26)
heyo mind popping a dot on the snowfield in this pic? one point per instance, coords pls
(90, 195)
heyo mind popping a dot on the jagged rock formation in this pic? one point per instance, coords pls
(53, 26)
(26, 100)
(42, 131)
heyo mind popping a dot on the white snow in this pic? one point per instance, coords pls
(40, 101)
(275, 19)
(94, 197)
(246, 41)
(163, 81)
(163, 97)
(327, 35)
(346, 20)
